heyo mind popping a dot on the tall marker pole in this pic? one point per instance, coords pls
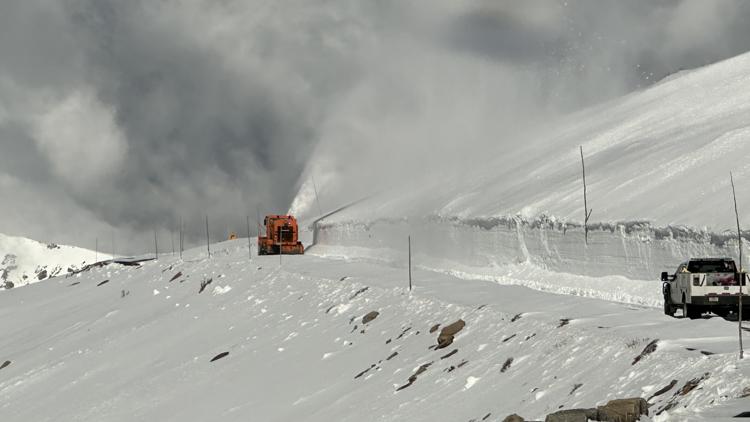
(742, 274)
(181, 237)
(249, 252)
(409, 263)
(281, 244)
(586, 211)
(208, 241)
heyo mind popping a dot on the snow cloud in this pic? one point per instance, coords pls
(136, 113)
(81, 140)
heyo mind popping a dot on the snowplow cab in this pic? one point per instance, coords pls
(282, 236)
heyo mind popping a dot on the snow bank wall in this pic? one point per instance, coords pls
(632, 249)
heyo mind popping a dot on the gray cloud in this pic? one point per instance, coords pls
(123, 116)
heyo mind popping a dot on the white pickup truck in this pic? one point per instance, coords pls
(705, 285)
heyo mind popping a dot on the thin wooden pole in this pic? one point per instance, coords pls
(249, 251)
(281, 244)
(171, 237)
(96, 251)
(156, 246)
(181, 237)
(113, 245)
(409, 263)
(742, 274)
(586, 211)
(208, 241)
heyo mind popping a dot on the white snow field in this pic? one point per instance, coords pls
(657, 164)
(24, 261)
(137, 343)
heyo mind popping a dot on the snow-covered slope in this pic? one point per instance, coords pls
(283, 339)
(661, 155)
(24, 261)
(657, 170)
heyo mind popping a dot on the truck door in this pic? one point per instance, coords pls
(682, 281)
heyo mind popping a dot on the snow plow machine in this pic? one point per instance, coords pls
(282, 236)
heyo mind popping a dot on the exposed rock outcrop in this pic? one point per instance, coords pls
(370, 316)
(573, 415)
(623, 410)
(448, 333)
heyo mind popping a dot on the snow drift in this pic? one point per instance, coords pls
(657, 165)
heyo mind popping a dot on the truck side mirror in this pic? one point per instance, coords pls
(664, 276)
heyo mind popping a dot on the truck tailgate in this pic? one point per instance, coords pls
(713, 284)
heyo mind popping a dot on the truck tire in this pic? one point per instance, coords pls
(722, 312)
(684, 307)
(694, 312)
(669, 308)
(690, 311)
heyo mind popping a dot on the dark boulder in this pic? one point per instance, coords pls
(370, 316)
(448, 333)
(623, 410)
(573, 415)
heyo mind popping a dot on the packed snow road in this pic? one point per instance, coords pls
(308, 338)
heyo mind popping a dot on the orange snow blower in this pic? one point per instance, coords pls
(281, 236)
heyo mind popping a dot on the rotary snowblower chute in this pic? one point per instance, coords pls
(282, 236)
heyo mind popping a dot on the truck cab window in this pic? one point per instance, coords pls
(711, 266)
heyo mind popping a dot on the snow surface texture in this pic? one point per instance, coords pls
(24, 261)
(288, 343)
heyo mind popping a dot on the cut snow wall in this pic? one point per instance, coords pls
(635, 250)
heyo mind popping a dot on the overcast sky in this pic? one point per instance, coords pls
(122, 116)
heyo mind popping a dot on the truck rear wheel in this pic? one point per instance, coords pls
(722, 312)
(669, 308)
(684, 307)
(695, 312)
(691, 311)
